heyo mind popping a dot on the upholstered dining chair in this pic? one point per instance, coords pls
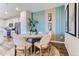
(27, 44)
(21, 44)
(7, 48)
(43, 43)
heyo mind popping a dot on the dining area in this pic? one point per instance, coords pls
(32, 44)
(27, 45)
(27, 32)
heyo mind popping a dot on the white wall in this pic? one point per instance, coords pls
(23, 19)
(72, 44)
(12, 20)
(2, 24)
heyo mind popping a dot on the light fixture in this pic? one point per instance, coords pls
(17, 9)
(6, 12)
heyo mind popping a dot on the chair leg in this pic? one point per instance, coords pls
(48, 51)
(40, 52)
(25, 50)
(31, 49)
(15, 50)
(34, 50)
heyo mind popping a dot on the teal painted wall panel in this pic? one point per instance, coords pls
(40, 16)
(60, 22)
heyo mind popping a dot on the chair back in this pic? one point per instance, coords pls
(45, 39)
(22, 40)
(19, 41)
(14, 35)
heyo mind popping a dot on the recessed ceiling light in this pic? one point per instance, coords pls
(17, 9)
(6, 12)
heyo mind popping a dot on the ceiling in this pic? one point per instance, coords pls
(8, 10)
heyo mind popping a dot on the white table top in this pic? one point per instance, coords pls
(32, 35)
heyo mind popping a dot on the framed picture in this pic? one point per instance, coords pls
(49, 16)
(71, 19)
(50, 26)
(67, 18)
(10, 24)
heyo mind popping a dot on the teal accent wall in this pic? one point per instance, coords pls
(60, 22)
(40, 16)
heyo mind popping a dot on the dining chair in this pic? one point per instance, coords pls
(7, 48)
(26, 43)
(43, 43)
(21, 44)
(4, 51)
(54, 51)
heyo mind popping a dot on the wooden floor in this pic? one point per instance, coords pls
(57, 49)
(61, 47)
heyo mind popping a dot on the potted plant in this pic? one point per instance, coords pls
(32, 25)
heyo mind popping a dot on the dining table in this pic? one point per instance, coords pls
(32, 38)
